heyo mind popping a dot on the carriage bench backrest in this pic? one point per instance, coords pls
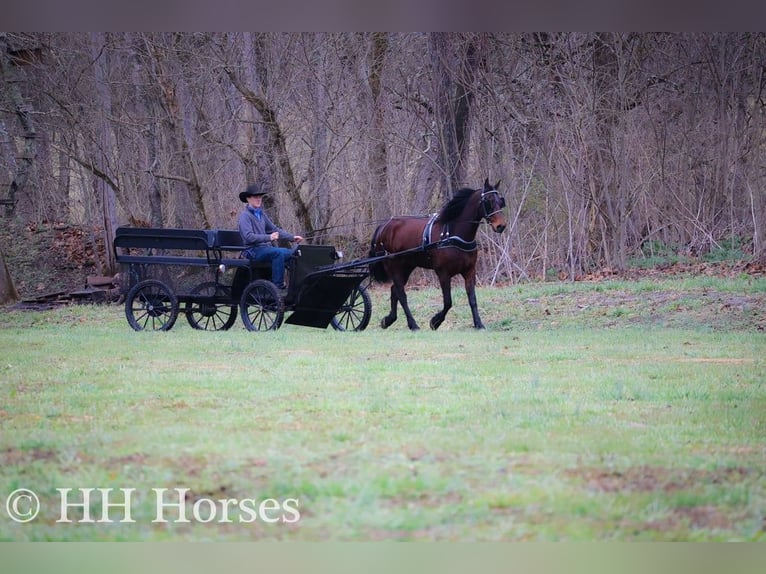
(227, 240)
(154, 238)
(156, 242)
(161, 246)
(307, 257)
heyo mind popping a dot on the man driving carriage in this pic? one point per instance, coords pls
(258, 232)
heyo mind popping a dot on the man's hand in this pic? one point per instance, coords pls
(297, 238)
(274, 236)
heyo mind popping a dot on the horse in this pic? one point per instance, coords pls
(444, 242)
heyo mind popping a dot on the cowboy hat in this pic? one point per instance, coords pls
(252, 190)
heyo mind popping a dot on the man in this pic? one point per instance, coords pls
(258, 232)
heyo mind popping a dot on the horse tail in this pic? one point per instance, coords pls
(377, 269)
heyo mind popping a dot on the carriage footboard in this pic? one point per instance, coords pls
(320, 298)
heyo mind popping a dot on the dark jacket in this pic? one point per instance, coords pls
(255, 232)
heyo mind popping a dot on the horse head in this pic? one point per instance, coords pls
(492, 204)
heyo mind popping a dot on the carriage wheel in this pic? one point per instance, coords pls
(151, 305)
(211, 316)
(261, 307)
(355, 313)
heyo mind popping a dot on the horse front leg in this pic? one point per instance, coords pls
(470, 290)
(446, 284)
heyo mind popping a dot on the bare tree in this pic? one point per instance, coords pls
(255, 96)
(608, 145)
(379, 142)
(454, 64)
(8, 293)
(10, 60)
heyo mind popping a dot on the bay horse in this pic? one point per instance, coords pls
(444, 242)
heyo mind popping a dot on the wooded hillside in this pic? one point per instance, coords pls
(609, 146)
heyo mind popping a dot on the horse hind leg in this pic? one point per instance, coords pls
(389, 319)
(411, 323)
(398, 294)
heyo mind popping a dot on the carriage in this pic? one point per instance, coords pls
(321, 291)
(199, 272)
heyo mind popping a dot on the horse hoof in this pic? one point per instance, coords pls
(434, 324)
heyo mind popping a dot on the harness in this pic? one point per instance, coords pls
(445, 238)
(427, 230)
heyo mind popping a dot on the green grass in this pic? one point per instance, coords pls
(619, 411)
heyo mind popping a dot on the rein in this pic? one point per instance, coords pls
(453, 241)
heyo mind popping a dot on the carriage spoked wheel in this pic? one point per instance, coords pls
(208, 316)
(261, 307)
(151, 305)
(355, 313)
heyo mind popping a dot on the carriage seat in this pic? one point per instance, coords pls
(230, 240)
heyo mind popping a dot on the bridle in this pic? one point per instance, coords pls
(487, 203)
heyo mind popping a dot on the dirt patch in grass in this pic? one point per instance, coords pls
(660, 307)
(681, 519)
(707, 517)
(122, 461)
(676, 519)
(723, 361)
(650, 479)
(21, 456)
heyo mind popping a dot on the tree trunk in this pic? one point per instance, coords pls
(453, 79)
(177, 123)
(9, 79)
(378, 154)
(322, 105)
(106, 143)
(8, 293)
(278, 146)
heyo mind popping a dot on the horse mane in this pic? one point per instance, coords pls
(455, 206)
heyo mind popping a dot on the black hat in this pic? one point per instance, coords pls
(251, 190)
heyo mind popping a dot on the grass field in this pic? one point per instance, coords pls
(603, 411)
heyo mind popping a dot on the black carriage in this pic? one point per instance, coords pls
(200, 273)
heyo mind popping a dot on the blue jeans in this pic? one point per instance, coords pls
(278, 256)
